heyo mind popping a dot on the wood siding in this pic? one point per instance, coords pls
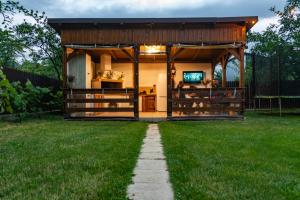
(213, 33)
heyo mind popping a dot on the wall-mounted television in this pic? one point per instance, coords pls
(193, 77)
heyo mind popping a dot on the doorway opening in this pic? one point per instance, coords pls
(152, 82)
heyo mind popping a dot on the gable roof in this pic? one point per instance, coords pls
(59, 23)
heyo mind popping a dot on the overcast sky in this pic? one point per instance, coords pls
(158, 8)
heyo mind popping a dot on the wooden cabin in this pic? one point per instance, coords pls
(133, 68)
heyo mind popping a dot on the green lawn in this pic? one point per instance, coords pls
(258, 158)
(49, 158)
(55, 159)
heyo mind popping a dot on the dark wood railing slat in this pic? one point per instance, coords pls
(203, 100)
(117, 100)
(74, 96)
(125, 109)
(101, 91)
(208, 100)
(207, 109)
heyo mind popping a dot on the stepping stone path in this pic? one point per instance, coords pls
(151, 177)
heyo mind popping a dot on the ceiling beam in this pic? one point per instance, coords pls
(127, 54)
(235, 53)
(113, 54)
(196, 54)
(177, 53)
(217, 59)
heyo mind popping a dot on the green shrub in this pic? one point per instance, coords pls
(7, 95)
(35, 97)
(19, 103)
(56, 100)
(18, 98)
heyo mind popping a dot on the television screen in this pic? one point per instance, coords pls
(193, 76)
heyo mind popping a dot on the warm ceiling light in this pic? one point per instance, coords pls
(152, 49)
(253, 22)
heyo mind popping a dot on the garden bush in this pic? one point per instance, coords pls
(7, 95)
(27, 98)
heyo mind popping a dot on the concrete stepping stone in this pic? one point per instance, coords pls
(151, 176)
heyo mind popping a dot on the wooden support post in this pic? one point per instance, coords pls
(242, 68)
(169, 82)
(224, 77)
(136, 80)
(212, 72)
(64, 77)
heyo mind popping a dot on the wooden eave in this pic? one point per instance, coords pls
(81, 23)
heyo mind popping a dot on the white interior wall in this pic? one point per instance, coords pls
(127, 69)
(156, 73)
(180, 67)
(149, 74)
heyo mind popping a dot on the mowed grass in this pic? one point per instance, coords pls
(258, 158)
(55, 159)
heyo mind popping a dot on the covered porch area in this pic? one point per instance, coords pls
(209, 99)
(153, 82)
(134, 68)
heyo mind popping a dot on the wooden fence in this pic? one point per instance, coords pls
(14, 75)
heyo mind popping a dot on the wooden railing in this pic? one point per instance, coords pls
(185, 102)
(99, 101)
(208, 102)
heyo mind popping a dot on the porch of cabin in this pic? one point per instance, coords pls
(141, 82)
(130, 68)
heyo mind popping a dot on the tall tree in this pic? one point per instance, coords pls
(40, 41)
(282, 39)
(10, 46)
